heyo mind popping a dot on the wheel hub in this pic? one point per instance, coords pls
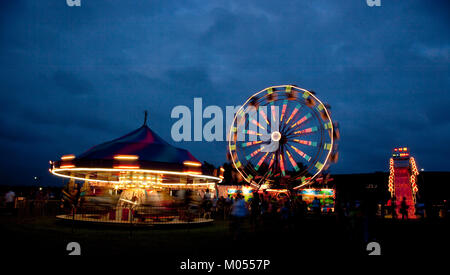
(276, 136)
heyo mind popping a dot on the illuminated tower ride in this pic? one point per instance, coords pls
(403, 179)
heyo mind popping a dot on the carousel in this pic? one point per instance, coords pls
(138, 178)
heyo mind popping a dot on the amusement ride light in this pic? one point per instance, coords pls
(192, 163)
(126, 157)
(68, 157)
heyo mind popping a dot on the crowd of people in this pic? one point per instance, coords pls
(33, 199)
(260, 210)
(260, 205)
(287, 212)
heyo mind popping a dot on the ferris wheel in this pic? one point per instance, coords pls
(282, 137)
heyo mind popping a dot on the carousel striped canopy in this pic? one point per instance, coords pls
(142, 142)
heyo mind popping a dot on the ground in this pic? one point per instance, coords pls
(314, 237)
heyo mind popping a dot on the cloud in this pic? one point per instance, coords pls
(74, 77)
(71, 83)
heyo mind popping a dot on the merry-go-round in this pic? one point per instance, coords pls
(136, 179)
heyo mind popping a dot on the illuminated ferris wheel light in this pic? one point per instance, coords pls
(265, 154)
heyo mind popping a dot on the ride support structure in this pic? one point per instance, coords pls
(403, 180)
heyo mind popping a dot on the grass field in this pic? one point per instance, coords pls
(48, 236)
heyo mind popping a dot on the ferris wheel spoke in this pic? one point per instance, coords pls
(274, 115)
(283, 171)
(297, 107)
(261, 112)
(306, 131)
(257, 124)
(260, 162)
(250, 143)
(251, 132)
(270, 167)
(290, 132)
(283, 127)
(291, 159)
(301, 153)
(301, 120)
(305, 142)
(254, 153)
(283, 110)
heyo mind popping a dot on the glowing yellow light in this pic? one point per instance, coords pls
(322, 189)
(391, 176)
(265, 186)
(246, 190)
(186, 184)
(127, 167)
(132, 202)
(126, 157)
(193, 173)
(222, 169)
(57, 172)
(192, 163)
(67, 166)
(277, 190)
(67, 157)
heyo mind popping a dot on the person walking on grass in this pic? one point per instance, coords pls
(238, 213)
(9, 199)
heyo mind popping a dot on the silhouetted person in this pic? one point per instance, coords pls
(285, 215)
(187, 201)
(369, 209)
(316, 206)
(9, 199)
(221, 207)
(420, 210)
(300, 208)
(383, 209)
(394, 208)
(239, 212)
(404, 209)
(255, 210)
(264, 210)
(355, 218)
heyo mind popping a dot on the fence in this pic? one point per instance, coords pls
(26, 208)
(139, 215)
(107, 213)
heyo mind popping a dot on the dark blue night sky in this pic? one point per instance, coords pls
(73, 77)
